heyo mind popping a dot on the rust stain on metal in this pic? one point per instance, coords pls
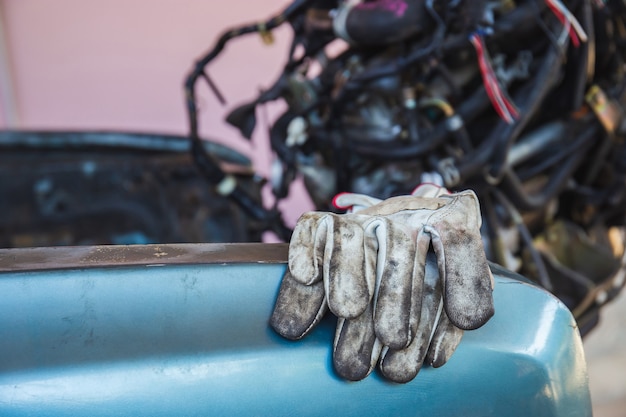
(31, 259)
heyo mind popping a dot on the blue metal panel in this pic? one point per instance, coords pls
(191, 340)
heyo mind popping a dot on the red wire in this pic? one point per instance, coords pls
(501, 104)
(572, 32)
(510, 107)
(488, 81)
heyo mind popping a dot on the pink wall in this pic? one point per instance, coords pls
(120, 65)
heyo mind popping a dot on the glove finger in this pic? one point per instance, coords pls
(356, 349)
(298, 308)
(403, 365)
(444, 342)
(398, 295)
(306, 247)
(461, 257)
(349, 287)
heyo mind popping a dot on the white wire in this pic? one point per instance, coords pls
(570, 18)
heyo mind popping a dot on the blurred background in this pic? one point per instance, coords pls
(120, 65)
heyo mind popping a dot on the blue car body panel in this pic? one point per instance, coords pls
(173, 335)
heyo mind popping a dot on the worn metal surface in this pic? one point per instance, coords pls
(185, 338)
(64, 140)
(80, 257)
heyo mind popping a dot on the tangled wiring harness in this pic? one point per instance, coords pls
(521, 101)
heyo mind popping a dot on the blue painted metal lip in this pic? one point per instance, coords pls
(190, 337)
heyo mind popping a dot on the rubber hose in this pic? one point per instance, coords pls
(380, 22)
(513, 188)
(498, 144)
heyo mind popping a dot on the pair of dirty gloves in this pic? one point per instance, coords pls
(404, 276)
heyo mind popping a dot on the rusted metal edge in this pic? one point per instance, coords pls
(80, 257)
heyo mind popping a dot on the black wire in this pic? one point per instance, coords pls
(529, 99)
(544, 28)
(549, 159)
(512, 187)
(586, 60)
(468, 111)
(540, 267)
(199, 69)
(205, 163)
(491, 224)
(518, 19)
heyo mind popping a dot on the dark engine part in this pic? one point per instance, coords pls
(85, 188)
(522, 102)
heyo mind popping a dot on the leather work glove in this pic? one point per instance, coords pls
(375, 270)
